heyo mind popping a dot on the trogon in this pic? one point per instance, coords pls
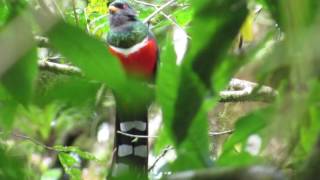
(133, 44)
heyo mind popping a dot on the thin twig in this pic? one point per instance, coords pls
(158, 11)
(97, 19)
(136, 136)
(96, 29)
(75, 12)
(146, 3)
(112, 157)
(21, 136)
(164, 152)
(221, 133)
(162, 13)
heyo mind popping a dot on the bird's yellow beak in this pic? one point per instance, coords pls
(113, 9)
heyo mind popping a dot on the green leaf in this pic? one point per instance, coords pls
(185, 113)
(206, 54)
(40, 119)
(11, 167)
(191, 94)
(195, 148)
(71, 90)
(83, 154)
(311, 125)
(242, 159)
(51, 174)
(19, 79)
(4, 95)
(221, 22)
(7, 113)
(309, 133)
(68, 162)
(90, 55)
(167, 83)
(4, 13)
(248, 125)
(252, 123)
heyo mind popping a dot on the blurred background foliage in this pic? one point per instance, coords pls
(58, 124)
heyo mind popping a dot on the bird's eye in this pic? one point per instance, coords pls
(125, 6)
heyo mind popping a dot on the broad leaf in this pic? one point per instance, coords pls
(19, 79)
(7, 113)
(70, 164)
(90, 55)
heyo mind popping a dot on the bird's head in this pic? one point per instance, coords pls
(121, 13)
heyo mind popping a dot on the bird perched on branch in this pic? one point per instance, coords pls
(132, 43)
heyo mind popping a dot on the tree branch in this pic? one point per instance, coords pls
(157, 11)
(59, 68)
(135, 136)
(24, 137)
(238, 90)
(241, 90)
(156, 7)
(164, 152)
(75, 12)
(221, 133)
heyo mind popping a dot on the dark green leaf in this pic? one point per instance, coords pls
(90, 55)
(7, 113)
(19, 79)
(222, 21)
(205, 55)
(191, 94)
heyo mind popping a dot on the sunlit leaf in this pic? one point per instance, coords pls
(83, 154)
(69, 164)
(51, 174)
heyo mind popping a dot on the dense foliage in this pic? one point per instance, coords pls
(56, 122)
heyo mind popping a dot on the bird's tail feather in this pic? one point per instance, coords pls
(131, 145)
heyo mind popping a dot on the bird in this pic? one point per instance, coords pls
(132, 42)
